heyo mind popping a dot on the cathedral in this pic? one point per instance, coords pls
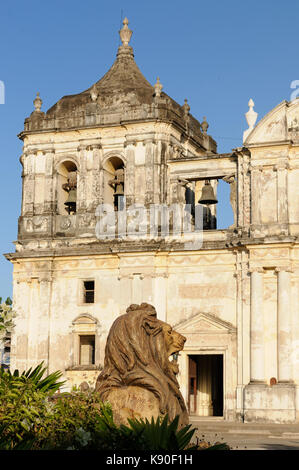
(233, 293)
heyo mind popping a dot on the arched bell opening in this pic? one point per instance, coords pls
(203, 192)
(67, 188)
(114, 182)
(206, 195)
(218, 199)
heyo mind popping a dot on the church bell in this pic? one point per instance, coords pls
(207, 194)
(119, 190)
(119, 182)
(70, 203)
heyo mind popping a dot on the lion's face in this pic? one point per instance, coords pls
(174, 342)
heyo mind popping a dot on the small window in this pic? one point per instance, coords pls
(87, 350)
(89, 292)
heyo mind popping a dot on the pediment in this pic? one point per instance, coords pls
(84, 318)
(271, 128)
(204, 323)
(280, 124)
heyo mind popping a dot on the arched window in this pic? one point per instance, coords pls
(114, 182)
(67, 188)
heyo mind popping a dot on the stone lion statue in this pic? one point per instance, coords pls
(138, 379)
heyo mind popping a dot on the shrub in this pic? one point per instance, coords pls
(72, 421)
(23, 403)
(34, 416)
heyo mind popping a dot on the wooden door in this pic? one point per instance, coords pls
(192, 385)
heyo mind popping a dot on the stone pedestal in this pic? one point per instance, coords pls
(270, 404)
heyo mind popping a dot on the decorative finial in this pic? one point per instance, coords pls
(204, 125)
(186, 107)
(158, 87)
(251, 117)
(125, 33)
(37, 102)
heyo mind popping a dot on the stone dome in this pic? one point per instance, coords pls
(122, 95)
(122, 85)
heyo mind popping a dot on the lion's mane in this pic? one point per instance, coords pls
(136, 355)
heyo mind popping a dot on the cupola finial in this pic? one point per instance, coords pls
(251, 117)
(125, 33)
(37, 102)
(158, 87)
(186, 107)
(204, 125)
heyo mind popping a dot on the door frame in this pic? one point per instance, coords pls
(184, 372)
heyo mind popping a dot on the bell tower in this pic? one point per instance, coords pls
(120, 142)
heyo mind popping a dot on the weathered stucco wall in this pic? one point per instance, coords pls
(206, 295)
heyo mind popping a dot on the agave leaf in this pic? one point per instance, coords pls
(184, 439)
(25, 374)
(33, 374)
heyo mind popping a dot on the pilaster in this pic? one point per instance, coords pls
(283, 324)
(257, 349)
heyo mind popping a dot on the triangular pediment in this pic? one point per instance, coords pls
(204, 323)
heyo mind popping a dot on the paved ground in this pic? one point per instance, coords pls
(241, 436)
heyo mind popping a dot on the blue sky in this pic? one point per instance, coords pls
(217, 54)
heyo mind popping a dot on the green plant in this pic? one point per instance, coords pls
(31, 377)
(21, 409)
(162, 434)
(72, 423)
(23, 404)
(8, 301)
(34, 417)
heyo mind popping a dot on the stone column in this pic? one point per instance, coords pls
(130, 173)
(244, 194)
(149, 172)
(255, 191)
(156, 172)
(49, 203)
(81, 181)
(28, 184)
(282, 197)
(257, 353)
(163, 173)
(283, 324)
(97, 175)
(43, 316)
